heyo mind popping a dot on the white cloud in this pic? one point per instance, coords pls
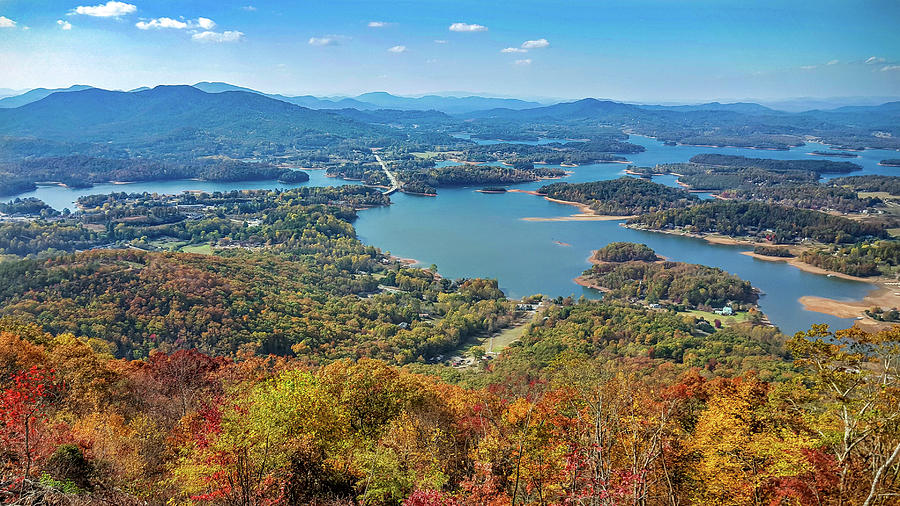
(249, 8)
(397, 49)
(833, 62)
(808, 67)
(323, 41)
(440, 41)
(160, 23)
(887, 68)
(65, 25)
(526, 61)
(535, 44)
(111, 9)
(874, 59)
(466, 27)
(226, 36)
(513, 50)
(5, 22)
(379, 24)
(431, 60)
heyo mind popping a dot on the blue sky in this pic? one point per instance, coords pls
(653, 50)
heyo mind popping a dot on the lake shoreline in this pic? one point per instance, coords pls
(881, 294)
(710, 238)
(805, 267)
(586, 214)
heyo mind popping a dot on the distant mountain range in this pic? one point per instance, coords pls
(8, 92)
(466, 105)
(365, 102)
(304, 100)
(825, 104)
(384, 100)
(741, 107)
(35, 95)
(184, 120)
(589, 108)
(217, 118)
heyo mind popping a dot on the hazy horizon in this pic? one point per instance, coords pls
(650, 51)
(836, 101)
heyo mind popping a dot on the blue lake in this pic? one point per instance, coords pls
(468, 234)
(60, 197)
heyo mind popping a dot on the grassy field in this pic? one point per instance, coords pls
(879, 195)
(503, 339)
(203, 249)
(168, 243)
(726, 320)
(425, 154)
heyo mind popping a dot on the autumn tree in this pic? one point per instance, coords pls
(849, 395)
(742, 445)
(23, 417)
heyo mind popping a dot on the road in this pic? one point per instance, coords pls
(395, 184)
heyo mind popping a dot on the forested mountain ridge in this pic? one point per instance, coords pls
(93, 114)
(172, 120)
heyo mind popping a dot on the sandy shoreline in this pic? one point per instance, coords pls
(579, 217)
(710, 238)
(884, 297)
(405, 261)
(586, 214)
(805, 267)
(582, 281)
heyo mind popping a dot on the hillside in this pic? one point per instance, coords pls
(182, 119)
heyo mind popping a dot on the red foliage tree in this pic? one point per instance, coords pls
(23, 410)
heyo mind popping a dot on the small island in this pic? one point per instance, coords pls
(492, 189)
(634, 272)
(890, 162)
(839, 154)
(291, 176)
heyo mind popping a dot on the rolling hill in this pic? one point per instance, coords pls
(183, 119)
